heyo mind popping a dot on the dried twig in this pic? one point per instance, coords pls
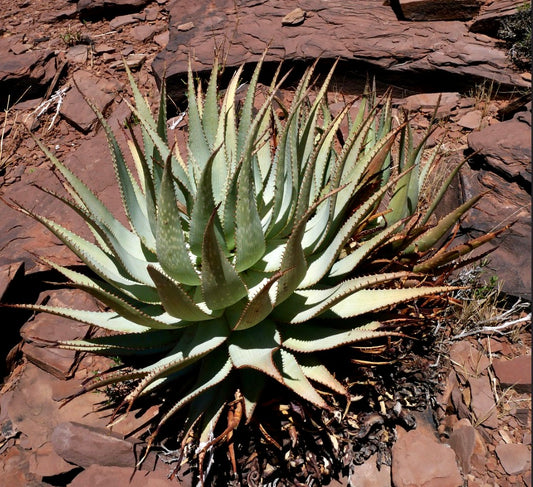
(494, 329)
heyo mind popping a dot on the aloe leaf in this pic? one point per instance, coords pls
(320, 266)
(106, 238)
(131, 262)
(146, 177)
(171, 244)
(204, 205)
(144, 112)
(107, 320)
(429, 238)
(210, 109)
(320, 153)
(175, 300)
(92, 203)
(315, 370)
(140, 102)
(295, 379)
(125, 343)
(369, 165)
(213, 370)
(198, 143)
(285, 176)
(306, 304)
(293, 263)
(271, 260)
(249, 238)
(347, 264)
(245, 120)
(221, 284)
(230, 209)
(212, 413)
(93, 256)
(368, 300)
(164, 152)
(254, 350)
(132, 198)
(307, 135)
(348, 165)
(193, 345)
(442, 190)
(162, 113)
(317, 229)
(226, 137)
(445, 257)
(152, 316)
(259, 306)
(316, 338)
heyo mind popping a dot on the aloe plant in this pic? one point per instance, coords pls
(261, 243)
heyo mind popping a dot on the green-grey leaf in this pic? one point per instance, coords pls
(221, 284)
(254, 349)
(175, 300)
(171, 245)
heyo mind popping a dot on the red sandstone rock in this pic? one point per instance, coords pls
(8, 274)
(515, 372)
(26, 73)
(368, 474)
(491, 15)
(145, 32)
(471, 120)
(59, 363)
(95, 8)
(99, 476)
(467, 360)
(14, 469)
(360, 33)
(419, 460)
(483, 404)
(45, 462)
(503, 168)
(35, 414)
(463, 440)
(442, 10)
(99, 91)
(429, 101)
(515, 458)
(85, 445)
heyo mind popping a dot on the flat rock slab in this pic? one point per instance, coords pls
(59, 363)
(418, 459)
(45, 462)
(93, 9)
(506, 147)
(364, 34)
(514, 373)
(23, 71)
(440, 10)
(85, 445)
(482, 401)
(467, 360)
(99, 91)
(369, 475)
(99, 476)
(491, 15)
(515, 458)
(32, 412)
(502, 167)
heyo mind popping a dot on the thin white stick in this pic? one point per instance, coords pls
(494, 329)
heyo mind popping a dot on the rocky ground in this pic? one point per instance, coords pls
(477, 432)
